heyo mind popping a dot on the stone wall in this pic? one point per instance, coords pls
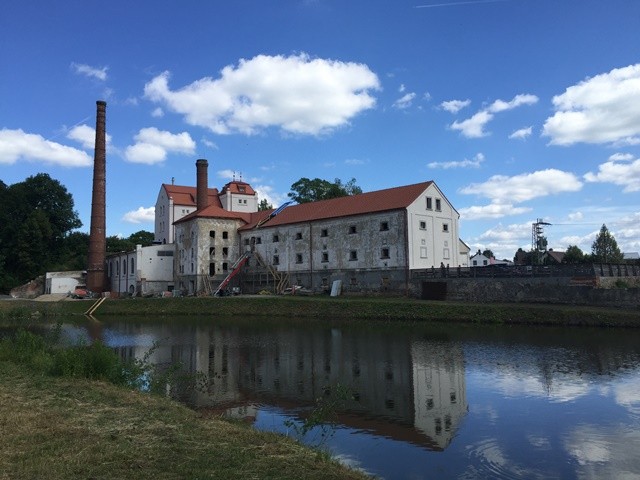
(556, 290)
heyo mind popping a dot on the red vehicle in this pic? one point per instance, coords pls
(81, 291)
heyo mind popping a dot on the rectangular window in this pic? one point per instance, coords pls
(325, 257)
(353, 255)
(225, 251)
(240, 201)
(276, 260)
(445, 253)
(429, 204)
(438, 205)
(258, 240)
(298, 258)
(423, 225)
(384, 253)
(423, 252)
(212, 251)
(225, 266)
(353, 229)
(276, 239)
(299, 236)
(324, 232)
(445, 227)
(475, 263)
(384, 226)
(225, 235)
(212, 233)
(247, 241)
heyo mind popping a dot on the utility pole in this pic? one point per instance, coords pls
(538, 241)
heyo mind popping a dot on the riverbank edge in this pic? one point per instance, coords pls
(60, 428)
(342, 308)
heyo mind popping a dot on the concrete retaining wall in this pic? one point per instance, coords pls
(534, 290)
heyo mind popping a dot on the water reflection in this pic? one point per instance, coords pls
(409, 390)
(427, 402)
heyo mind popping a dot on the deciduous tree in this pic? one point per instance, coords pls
(306, 190)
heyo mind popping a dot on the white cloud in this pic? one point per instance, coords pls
(209, 143)
(266, 192)
(473, 127)
(86, 136)
(618, 170)
(454, 106)
(527, 186)
(354, 161)
(405, 101)
(602, 109)
(141, 215)
(296, 93)
(16, 145)
(157, 113)
(227, 174)
(575, 217)
(522, 133)
(466, 163)
(493, 210)
(99, 73)
(402, 88)
(153, 145)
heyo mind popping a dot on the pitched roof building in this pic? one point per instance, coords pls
(369, 241)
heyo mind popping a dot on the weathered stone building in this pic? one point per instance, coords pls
(370, 242)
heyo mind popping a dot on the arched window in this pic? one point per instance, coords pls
(132, 266)
(124, 266)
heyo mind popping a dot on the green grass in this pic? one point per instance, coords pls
(61, 428)
(347, 308)
(77, 412)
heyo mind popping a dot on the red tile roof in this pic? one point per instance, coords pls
(370, 202)
(238, 187)
(214, 211)
(183, 195)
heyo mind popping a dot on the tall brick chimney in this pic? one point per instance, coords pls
(202, 185)
(96, 278)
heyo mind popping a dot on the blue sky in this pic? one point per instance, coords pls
(517, 109)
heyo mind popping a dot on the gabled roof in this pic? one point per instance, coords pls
(183, 195)
(214, 211)
(370, 202)
(238, 187)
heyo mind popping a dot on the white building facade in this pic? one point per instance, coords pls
(141, 272)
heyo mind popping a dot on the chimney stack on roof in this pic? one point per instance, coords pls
(202, 185)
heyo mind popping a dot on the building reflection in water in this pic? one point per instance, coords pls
(404, 389)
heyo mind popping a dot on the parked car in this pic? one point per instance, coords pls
(81, 291)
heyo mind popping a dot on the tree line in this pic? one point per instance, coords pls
(604, 249)
(38, 232)
(39, 226)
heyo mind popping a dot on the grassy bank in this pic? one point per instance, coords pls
(354, 308)
(58, 421)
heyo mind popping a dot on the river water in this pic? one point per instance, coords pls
(427, 401)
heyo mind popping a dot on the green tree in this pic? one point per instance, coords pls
(605, 248)
(306, 190)
(264, 205)
(488, 253)
(573, 255)
(142, 237)
(36, 215)
(74, 252)
(31, 259)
